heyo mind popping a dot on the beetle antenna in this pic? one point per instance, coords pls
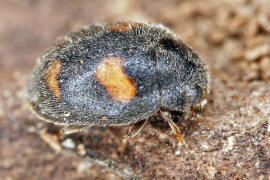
(168, 117)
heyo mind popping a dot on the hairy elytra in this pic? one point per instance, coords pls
(117, 74)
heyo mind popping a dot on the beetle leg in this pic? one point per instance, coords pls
(168, 117)
(135, 129)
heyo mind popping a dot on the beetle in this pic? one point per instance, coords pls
(117, 74)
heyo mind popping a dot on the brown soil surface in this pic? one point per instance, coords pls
(229, 139)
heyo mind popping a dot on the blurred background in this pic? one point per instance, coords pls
(231, 36)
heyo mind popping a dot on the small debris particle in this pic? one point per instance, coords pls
(31, 129)
(177, 152)
(205, 146)
(81, 150)
(83, 166)
(69, 143)
(67, 114)
(257, 165)
(255, 94)
(231, 141)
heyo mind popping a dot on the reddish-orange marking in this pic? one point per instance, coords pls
(122, 26)
(104, 118)
(52, 71)
(111, 75)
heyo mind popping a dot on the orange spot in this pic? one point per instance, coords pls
(104, 118)
(52, 71)
(111, 75)
(122, 26)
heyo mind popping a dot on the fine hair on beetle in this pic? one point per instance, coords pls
(117, 74)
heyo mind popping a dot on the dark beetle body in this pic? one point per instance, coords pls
(167, 74)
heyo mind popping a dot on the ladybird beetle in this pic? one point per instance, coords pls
(117, 74)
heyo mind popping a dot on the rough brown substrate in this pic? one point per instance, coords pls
(229, 139)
